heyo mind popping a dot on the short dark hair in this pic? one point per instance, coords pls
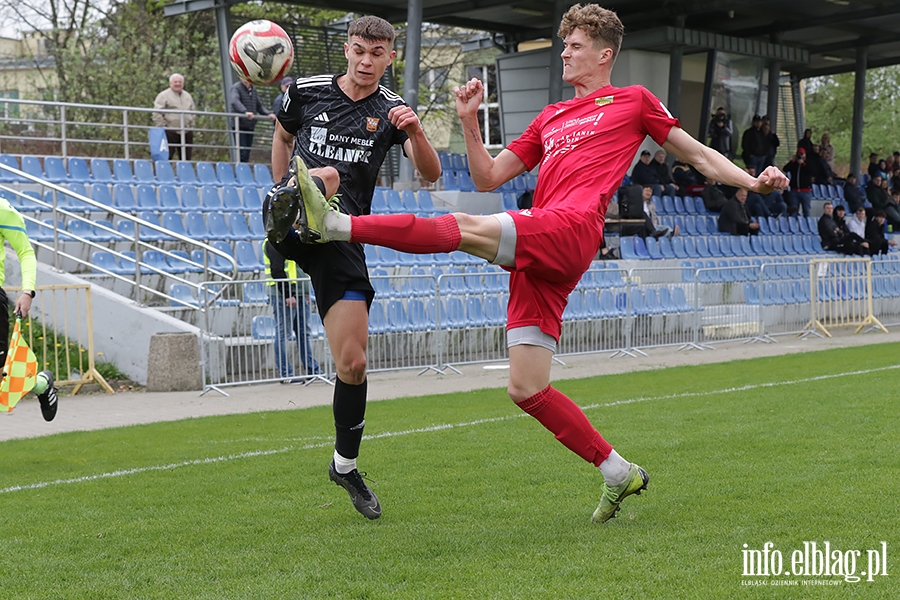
(372, 29)
(645, 153)
(880, 213)
(839, 208)
(601, 25)
(853, 175)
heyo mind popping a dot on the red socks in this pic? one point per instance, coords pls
(569, 424)
(407, 233)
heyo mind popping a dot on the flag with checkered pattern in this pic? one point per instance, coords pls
(20, 371)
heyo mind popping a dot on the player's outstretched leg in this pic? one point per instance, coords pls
(634, 483)
(47, 395)
(363, 498)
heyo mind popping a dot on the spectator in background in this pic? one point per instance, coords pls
(892, 210)
(800, 192)
(895, 178)
(878, 244)
(244, 99)
(826, 151)
(720, 132)
(687, 178)
(856, 223)
(664, 174)
(285, 84)
(176, 98)
(873, 165)
(884, 170)
(290, 308)
(806, 142)
(644, 173)
(734, 218)
(753, 146)
(771, 142)
(652, 227)
(853, 243)
(818, 168)
(713, 197)
(853, 194)
(830, 232)
(876, 192)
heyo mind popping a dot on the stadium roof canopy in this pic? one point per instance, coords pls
(824, 33)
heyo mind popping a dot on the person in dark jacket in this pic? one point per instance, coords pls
(720, 131)
(244, 99)
(753, 146)
(800, 192)
(878, 244)
(853, 194)
(645, 173)
(734, 218)
(713, 197)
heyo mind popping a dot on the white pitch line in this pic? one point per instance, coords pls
(432, 428)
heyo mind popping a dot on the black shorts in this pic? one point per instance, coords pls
(333, 268)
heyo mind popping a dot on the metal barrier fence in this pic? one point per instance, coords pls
(60, 329)
(842, 294)
(434, 321)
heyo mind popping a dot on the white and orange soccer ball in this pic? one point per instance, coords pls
(261, 52)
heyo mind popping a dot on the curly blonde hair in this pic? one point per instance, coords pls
(601, 25)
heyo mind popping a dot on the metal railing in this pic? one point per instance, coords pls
(70, 129)
(65, 243)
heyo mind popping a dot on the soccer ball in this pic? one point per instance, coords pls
(261, 52)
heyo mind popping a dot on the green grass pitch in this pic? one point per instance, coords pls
(479, 501)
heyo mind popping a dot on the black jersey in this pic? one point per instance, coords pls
(333, 130)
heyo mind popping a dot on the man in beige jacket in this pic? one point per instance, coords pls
(175, 98)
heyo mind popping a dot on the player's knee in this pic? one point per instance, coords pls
(353, 369)
(329, 176)
(517, 392)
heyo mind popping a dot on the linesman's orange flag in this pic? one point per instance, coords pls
(20, 371)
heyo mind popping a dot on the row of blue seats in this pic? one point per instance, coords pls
(708, 225)
(798, 292)
(244, 254)
(58, 170)
(126, 198)
(637, 248)
(215, 226)
(390, 201)
(462, 181)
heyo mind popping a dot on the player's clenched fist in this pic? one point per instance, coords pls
(405, 118)
(468, 98)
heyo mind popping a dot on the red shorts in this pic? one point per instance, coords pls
(554, 248)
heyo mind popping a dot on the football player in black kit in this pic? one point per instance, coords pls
(348, 122)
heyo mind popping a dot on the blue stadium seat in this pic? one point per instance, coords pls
(179, 264)
(174, 223)
(147, 198)
(10, 161)
(449, 181)
(210, 200)
(678, 247)
(715, 249)
(225, 173)
(184, 170)
(56, 171)
(254, 292)
(195, 225)
(690, 225)
(183, 296)
(665, 247)
(678, 203)
(652, 246)
(32, 166)
(252, 201)
(154, 259)
(218, 262)
(206, 174)
(254, 222)
(100, 172)
(81, 229)
(397, 317)
(123, 197)
(640, 248)
(78, 170)
(668, 204)
(394, 203)
(168, 199)
(379, 204)
(100, 231)
(246, 258)
(143, 171)
(231, 201)
(190, 198)
(446, 160)
(164, 172)
(702, 244)
(100, 193)
(737, 245)
(101, 259)
(262, 175)
(216, 224)
(410, 204)
(426, 204)
(148, 234)
(382, 284)
(244, 174)
(122, 171)
(475, 312)
(701, 224)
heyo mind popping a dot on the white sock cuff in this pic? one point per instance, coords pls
(343, 465)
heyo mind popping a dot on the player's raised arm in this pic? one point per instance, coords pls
(488, 172)
(718, 167)
(419, 150)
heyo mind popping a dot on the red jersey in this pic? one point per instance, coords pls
(585, 145)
